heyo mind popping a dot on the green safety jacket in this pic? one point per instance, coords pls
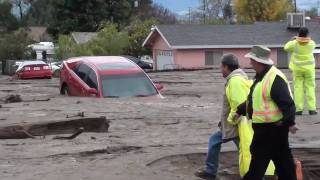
(237, 90)
(302, 57)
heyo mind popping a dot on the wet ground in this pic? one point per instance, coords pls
(158, 139)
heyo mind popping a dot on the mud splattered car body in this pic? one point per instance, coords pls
(106, 76)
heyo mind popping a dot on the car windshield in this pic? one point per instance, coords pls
(128, 85)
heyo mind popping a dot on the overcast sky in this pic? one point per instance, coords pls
(182, 6)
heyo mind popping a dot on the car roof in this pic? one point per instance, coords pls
(109, 64)
(27, 63)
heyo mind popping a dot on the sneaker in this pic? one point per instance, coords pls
(203, 174)
(299, 113)
(313, 112)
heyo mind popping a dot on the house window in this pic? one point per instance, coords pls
(213, 57)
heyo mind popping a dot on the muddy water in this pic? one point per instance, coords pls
(148, 139)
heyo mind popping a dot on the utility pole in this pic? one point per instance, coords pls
(295, 5)
(189, 15)
(204, 11)
(318, 7)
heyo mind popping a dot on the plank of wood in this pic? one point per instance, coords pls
(66, 126)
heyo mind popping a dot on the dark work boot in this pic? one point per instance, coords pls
(313, 112)
(203, 174)
(299, 113)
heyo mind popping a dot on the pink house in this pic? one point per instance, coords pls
(200, 46)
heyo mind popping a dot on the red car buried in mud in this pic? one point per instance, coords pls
(106, 76)
(33, 69)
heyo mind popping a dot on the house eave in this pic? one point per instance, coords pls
(222, 46)
(155, 29)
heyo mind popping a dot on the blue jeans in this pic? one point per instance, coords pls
(214, 148)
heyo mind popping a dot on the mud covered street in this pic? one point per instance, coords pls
(158, 139)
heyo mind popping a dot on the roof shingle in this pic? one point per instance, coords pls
(273, 34)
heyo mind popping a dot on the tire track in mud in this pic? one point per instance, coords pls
(187, 164)
(112, 150)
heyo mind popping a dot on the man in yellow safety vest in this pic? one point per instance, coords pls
(272, 110)
(302, 65)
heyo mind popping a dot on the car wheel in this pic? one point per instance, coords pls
(65, 90)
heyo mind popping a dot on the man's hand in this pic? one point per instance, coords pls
(233, 118)
(237, 116)
(293, 129)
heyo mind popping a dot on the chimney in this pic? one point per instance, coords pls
(296, 20)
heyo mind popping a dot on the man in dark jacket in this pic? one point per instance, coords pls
(272, 110)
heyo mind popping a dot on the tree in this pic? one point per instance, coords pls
(227, 12)
(313, 12)
(213, 10)
(149, 10)
(86, 15)
(21, 5)
(14, 45)
(7, 19)
(66, 47)
(163, 15)
(138, 30)
(109, 41)
(262, 10)
(39, 13)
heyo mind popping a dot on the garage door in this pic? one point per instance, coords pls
(165, 60)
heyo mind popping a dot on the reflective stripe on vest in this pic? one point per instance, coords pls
(264, 108)
(300, 63)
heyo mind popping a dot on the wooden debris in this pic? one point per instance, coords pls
(74, 135)
(12, 98)
(79, 114)
(66, 126)
(37, 100)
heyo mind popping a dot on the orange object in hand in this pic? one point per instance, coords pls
(298, 170)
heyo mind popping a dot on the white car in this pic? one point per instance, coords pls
(55, 66)
(147, 58)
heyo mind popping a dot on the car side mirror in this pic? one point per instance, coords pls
(93, 91)
(159, 86)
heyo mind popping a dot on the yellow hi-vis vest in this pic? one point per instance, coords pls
(265, 110)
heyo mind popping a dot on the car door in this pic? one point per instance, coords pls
(77, 84)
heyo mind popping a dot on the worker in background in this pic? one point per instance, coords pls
(44, 56)
(272, 110)
(302, 65)
(236, 91)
